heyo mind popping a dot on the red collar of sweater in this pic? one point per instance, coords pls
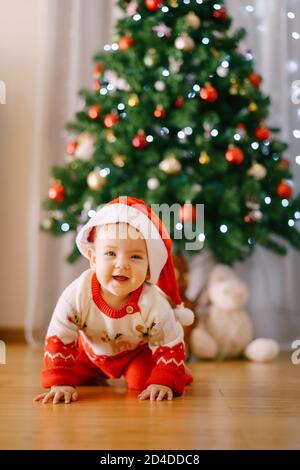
(128, 309)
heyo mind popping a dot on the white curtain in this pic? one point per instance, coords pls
(70, 32)
(275, 297)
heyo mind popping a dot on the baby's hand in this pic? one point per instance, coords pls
(154, 390)
(57, 393)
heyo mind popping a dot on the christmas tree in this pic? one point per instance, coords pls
(176, 115)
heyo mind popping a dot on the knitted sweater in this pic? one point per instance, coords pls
(111, 337)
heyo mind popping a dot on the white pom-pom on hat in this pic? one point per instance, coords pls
(184, 315)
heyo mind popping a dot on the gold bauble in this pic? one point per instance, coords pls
(192, 20)
(253, 107)
(170, 165)
(184, 42)
(233, 90)
(110, 136)
(133, 100)
(149, 61)
(173, 3)
(204, 158)
(151, 57)
(47, 224)
(95, 181)
(119, 160)
(258, 171)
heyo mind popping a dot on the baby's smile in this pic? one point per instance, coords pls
(120, 278)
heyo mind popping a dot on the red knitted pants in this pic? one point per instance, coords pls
(136, 372)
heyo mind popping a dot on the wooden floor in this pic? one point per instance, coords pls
(231, 405)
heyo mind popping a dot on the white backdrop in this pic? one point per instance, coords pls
(70, 33)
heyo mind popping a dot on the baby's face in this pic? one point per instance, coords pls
(120, 258)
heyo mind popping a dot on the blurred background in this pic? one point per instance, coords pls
(45, 58)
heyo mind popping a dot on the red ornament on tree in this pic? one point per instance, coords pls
(110, 120)
(98, 70)
(220, 14)
(139, 141)
(284, 190)
(159, 112)
(255, 79)
(208, 93)
(187, 213)
(94, 111)
(179, 102)
(262, 133)
(56, 192)
(152, 5)
(234, 155)
(71, 147)
(96, 85)
(125, 42)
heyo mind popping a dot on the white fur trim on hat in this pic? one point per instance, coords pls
(184, 315)
(112, 213)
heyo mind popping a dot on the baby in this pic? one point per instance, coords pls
(114, 320)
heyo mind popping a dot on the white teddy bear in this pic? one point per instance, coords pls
(224, 329)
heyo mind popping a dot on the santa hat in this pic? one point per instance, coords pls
(136, 213)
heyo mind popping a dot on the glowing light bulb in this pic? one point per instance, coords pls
(65, 227)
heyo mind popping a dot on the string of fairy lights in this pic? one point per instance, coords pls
(292, 67)
(292, 12)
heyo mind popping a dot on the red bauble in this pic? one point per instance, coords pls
(262, 133)
(208, 93)
(220, 14)
(187, 213)
(152, 5)
(139, 141)
(159, 112)
(96, 85)
(56, 192)
(94, 111)
(125, 42)
(284, 190)
(71, 147)
(98, 69)
(110, 120)
(255, 79)
(179, 102)
(234, 155)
